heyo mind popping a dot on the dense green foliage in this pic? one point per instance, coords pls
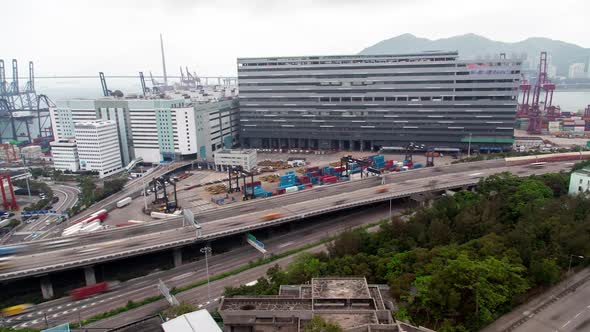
(465, 260)
(10, 329)
(179, 310)
(91, 193)
(318, 324)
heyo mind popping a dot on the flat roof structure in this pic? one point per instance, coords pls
(350, 302)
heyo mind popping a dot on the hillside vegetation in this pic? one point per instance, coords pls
(459, 264)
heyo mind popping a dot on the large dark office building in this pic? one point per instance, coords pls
(363, 102)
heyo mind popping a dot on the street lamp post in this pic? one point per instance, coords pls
(144, 189)
(207, 251)
(390, 210)
(469, 147)
(570, 267)
(22, 158)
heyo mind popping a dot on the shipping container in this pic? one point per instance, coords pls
(160, 215)
(123, 202)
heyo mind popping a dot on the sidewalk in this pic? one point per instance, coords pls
(523, 312)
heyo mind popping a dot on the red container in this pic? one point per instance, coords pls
(308, 185)
(281, 190)
(255, 183)
(83, 292)
(125, 224)
(303, 179)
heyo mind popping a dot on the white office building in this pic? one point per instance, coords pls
(580, 182)
(64, 154)
(576, 70)
(156, 129)
(244, 158)
(98, 147)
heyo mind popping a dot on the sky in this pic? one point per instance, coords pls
(121, 37)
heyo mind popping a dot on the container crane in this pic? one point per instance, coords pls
(535, 112)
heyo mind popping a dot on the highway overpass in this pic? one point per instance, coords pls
(84, 252)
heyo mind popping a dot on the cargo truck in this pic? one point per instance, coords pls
(16, 310)
(87, 291)
(123, 202)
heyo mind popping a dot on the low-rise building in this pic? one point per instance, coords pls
(350, 302)
(580, 181)
(244, 158)
(65, 155)
(98, 147)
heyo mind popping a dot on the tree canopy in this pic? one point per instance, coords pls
(464, 261)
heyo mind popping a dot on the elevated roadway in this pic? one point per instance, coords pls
(248, 216)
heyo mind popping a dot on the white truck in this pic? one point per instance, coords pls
(123, 202)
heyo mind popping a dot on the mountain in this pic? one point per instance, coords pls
(472, 46)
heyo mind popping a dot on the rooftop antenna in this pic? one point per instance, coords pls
(163, 61)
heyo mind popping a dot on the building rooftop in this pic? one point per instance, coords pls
(340, 288)
(583, 171)
(348, 320)
(195, 321)
(352, 303)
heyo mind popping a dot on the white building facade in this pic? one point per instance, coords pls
(64, 154)
(156, 129)
(245, 158)
(579, 182)
(98, 147)
(576, 70)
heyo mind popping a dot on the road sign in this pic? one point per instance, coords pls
(253, 239)
(166, 292)
(256, 245)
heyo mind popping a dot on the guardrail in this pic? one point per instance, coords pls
(207, 237)
(191, 239)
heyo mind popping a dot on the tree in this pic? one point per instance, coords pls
(318, 324)
(179, 310)
(544, 272)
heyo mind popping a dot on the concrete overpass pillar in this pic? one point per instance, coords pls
(46, 287)
(177, 254)
(89, 275)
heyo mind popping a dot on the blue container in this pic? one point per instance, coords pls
(301, 187)
(314, 180)
(417, 166)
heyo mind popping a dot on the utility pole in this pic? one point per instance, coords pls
(207, 251)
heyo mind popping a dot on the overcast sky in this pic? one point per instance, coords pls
(122, 36)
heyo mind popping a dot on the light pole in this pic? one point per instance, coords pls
(390, 210)
(207, 251)
(22, 157)
(144, 190)
(469, 147)
(570, 267)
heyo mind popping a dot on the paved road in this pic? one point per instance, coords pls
(556, 309)
(571, 313)
(64, 310)
(242, 215)
(38, 229)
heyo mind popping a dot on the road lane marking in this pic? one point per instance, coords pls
(286, 244)
(579, 313)
(566, 324)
